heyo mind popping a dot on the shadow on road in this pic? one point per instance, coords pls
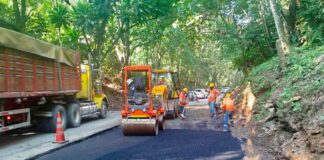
(196, 137)
(182, 144)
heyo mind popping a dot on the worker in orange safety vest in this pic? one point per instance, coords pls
(182, 102)
(213, 93)
(228, 107)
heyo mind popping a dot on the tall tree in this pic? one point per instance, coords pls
(20, 14)
(59, 17)
(282, 43)
(91, 19)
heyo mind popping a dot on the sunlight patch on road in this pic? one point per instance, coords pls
(197, 107)
(224, 156)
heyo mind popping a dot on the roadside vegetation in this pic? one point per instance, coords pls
(288, 111)
(302, 80)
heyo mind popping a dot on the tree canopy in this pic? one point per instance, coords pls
(204, 40)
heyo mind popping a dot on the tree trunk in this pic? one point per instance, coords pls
(126, 41)
(23, 16)
(101, 31)
(280, 54)
(127, 51)
(282, 47)
(20, 14)
(17, 12)
(147, 55)
(265, 25)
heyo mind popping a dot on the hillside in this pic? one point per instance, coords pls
(287, 118)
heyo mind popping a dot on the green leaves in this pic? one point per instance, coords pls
(59, 16)
(84, 16)
(205, 40)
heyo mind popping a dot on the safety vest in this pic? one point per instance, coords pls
(228, 105)
(182, 99)
(213, 95)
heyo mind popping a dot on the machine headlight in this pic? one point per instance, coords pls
(132, 110)
(144, 109)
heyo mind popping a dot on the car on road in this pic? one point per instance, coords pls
(225, 89)
(201, 93)
(192, 96)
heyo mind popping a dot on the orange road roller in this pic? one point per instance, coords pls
(142, 113)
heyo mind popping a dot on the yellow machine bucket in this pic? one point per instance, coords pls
(160, 90)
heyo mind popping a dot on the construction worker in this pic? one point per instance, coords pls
(228, 107)
(182, 102)
(162, 81)
(213, 93)
(130, 86)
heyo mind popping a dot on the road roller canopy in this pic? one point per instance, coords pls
(163, 71)
(131, 72)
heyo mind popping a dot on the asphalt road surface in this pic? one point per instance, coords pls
(196, 137)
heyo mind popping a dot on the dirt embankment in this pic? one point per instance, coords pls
(282, 116)
(114, 94)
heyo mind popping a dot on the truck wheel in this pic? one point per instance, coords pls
(49, 124)
(73, 115)
(103, 110)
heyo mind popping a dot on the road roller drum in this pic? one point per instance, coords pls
(133, 127)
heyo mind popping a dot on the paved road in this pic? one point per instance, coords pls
(28, 142)
(197, 137)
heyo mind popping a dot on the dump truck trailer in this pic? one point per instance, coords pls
(38, 80)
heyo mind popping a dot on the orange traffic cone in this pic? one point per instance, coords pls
(60, 138)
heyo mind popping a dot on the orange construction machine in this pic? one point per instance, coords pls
(142, 113)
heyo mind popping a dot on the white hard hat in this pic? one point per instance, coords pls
(129, 81)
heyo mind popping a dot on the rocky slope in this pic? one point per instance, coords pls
(285, 111)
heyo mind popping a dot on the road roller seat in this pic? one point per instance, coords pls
(140, 97)
(139, 84)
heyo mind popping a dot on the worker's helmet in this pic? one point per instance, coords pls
(185, 89)
(129, 81)
(228, 94)
(211, 84)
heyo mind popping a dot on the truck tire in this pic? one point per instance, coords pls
(49, 124)
(73, 115)
(103, 110)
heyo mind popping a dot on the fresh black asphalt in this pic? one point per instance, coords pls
(197, 137)
(175, 144)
